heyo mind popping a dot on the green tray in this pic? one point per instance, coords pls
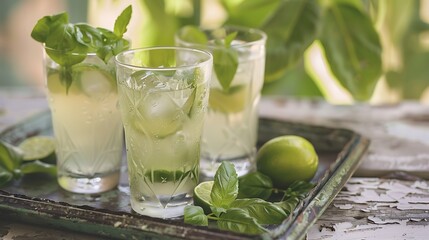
(41, 201)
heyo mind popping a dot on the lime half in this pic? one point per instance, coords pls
(39, 148)
(202, 195)
(232, 101)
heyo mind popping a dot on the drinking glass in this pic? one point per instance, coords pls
(83, 100)
(163, 95)
(230, 130)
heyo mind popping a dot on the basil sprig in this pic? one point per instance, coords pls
(225, 58)
(237, 204)
(68, 44)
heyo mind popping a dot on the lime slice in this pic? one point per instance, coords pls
(232, 101)
(162, 176)
(39, 148)
(202, 195)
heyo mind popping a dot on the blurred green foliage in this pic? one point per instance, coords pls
(356, 37)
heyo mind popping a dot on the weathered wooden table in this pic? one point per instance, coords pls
(387, 198)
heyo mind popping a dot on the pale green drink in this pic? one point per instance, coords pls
(87, 125)
(163, 98)
(231, 123)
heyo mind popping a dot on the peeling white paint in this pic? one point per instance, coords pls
(378, 220)
(346, 230)
(393, 209)
(343, 206)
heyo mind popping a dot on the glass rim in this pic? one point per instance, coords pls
(68, 52)
(146, 49)
(262, 34)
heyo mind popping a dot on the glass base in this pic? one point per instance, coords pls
(243, 165)
(157, 211)
(96, 184)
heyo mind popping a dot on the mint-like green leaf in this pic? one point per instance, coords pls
(239, 220)
(39, 167)
(217, 211)
(352, 48)
(225, 64)
(195, 215)
(225, 186)
(264, 212)
(10, 156)
(68, 44)
(5, 176)
(229, 38)
(122, 22)
(288, 205)
(42, 29)
(255, 185)
(89, 36)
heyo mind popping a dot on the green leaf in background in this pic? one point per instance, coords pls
(225, 186)
(239, 220)
(249, 13)
(193, 34)
(10, 156)
(255, 185)
(352, 48)
(295, 82)
(264, 212)
(291, 29)
(195, 215)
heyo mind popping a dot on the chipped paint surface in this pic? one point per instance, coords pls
(373, 208)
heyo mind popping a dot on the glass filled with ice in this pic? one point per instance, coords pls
(83, 99)
(163, 95)
(230, 130)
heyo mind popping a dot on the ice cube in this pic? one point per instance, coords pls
(95, 84)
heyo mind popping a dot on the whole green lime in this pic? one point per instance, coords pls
(287, 159)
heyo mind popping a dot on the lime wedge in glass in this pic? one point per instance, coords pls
(202, 195)
(39, 148)
(232, 101)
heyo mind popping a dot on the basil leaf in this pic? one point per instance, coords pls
(122, 22)
(264, 212)
(89, 36)
(352, 48)
(68, 44)
(291, 29)
(299, 189)
(10, 156)
(217, 211)
(255, 185)
(288, 205)
(239, 220)
(43, 27)
(225, 186)
(225, 64)
(5, 176)
(39, 167)
(195, 215)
